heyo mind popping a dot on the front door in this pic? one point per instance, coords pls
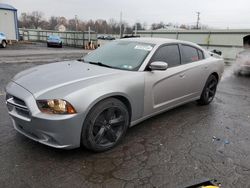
(164, 89)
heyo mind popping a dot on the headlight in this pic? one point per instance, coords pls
(55, 106)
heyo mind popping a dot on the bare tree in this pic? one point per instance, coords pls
(72, 24)
(53, 21)
(155, 26)
(36, 19)
(24, 21)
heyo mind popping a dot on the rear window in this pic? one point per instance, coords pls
(200, 54)
(189, 54)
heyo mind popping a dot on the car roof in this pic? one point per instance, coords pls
(159, 41)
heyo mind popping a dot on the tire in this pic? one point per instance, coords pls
(60, 46)
(209, 91)
(48, 45)
(4, 44)
(105, 125)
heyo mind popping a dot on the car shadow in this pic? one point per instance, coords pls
(132, 133)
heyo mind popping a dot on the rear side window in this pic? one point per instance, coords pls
(200, 54)
(169, 54)
(189, 54)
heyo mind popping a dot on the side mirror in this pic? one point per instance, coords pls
(158, 65)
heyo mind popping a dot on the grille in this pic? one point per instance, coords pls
(18, 104)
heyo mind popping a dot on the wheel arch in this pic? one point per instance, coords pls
(126, 102)
(120, 96)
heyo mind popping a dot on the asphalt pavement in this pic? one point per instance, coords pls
(177, 148)
(38, 53)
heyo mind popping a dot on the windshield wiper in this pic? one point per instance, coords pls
(99, 64)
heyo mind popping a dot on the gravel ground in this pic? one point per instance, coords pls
(174, 149)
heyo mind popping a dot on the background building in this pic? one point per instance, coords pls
(8, 21)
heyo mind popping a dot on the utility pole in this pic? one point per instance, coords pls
(76, 21)
(89, 33)
(121, 25)
(135, 29)
(198, 20)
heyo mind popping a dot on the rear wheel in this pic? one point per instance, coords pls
(105, 125)
(209, 91)
(4, 44)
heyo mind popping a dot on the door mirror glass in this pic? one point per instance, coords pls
(158, 65)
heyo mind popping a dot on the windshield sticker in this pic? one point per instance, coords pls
(141, 47)
(127, 67)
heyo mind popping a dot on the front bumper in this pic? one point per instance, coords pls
(54, 43)
(59, 131)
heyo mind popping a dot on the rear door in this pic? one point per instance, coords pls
(194, 68)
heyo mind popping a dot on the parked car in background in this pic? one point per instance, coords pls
(242, 62)
(105, 37)
(101, 37)
(3, 40)
(93, 101)
(54, 40)
(108, 37)
(131, 36)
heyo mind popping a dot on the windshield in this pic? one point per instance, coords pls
(126, 55)
(53, 37)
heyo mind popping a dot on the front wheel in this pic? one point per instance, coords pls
(209, 91)
(105, 125)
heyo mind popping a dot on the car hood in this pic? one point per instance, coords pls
(44, 78)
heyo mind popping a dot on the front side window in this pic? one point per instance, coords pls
(189, 54)
(126, 55)
(169, 54)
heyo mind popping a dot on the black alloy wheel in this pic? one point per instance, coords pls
(105, 125)
(209, 91)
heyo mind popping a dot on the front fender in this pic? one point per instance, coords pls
(85, 95)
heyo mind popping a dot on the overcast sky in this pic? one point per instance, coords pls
(215, 13)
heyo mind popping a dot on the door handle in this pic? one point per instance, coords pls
(182, 75)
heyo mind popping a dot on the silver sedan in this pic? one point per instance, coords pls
(93, 101)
